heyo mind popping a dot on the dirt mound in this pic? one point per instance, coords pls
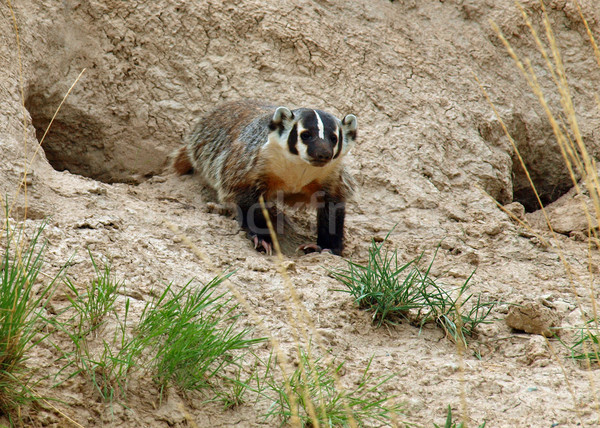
(429, 150)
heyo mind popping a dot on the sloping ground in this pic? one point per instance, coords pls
(429, 148)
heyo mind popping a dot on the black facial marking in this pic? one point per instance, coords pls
(310, 123)
(340, 144)
(293, 140)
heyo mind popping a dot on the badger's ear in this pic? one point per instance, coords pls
(349, 125)
(282, 117)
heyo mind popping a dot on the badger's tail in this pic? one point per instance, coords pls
(181, 161)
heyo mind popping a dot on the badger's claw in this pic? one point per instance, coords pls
(309, 248)
(313, 248)
(262, 245)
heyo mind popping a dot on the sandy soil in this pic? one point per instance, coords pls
(429, 156)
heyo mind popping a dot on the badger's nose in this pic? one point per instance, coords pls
(320, 151)
(323, 155)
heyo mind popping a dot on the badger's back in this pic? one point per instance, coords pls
(226, 138)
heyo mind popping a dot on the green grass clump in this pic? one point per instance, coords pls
(193, 338)
(450, 312)
(106, 363)
(99, 297)
(22, 323)
(233, 389)
(312, 394)
(106, 356)
(391, 289)
(186, 338)
(384, 286)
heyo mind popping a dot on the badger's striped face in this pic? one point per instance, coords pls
(313, 136)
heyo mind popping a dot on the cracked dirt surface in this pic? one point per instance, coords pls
(430, 150)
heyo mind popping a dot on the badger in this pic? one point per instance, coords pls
(245, 149)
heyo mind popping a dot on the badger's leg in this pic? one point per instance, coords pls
(330, 227)
(252, 220)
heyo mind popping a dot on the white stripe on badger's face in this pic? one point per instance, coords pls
(320, 126)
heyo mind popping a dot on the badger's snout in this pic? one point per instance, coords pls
(320, 152)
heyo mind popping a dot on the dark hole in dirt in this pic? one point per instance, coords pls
(76, 141)
(73, 143)
(542, 157)
(551, 182)
(529, 201)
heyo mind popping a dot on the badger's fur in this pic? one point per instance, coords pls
(245, 149)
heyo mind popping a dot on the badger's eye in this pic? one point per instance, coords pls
(333, 139)
(305, 136)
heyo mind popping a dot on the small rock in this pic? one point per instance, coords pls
(172, 410)
(494, 229)
(536, 350)
(158, 179)
(526, 233)
(560, 305)
(289, 266)
(571, 216)
(533, 317)
(98, 222)
(415, 404)
(472, 258)
(455, 213)
(516, 209)
(29, 179)
(135, 294)
(502, 308)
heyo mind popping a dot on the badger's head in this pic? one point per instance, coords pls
(312, 136)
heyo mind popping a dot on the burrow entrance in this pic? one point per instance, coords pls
(548, 190)
(82, 143)
(73, 143)
(547, 170)
(541, 156)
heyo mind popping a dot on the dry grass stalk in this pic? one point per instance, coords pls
(577, 159)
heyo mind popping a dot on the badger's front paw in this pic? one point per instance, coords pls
(314, 248)
(262, 244)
